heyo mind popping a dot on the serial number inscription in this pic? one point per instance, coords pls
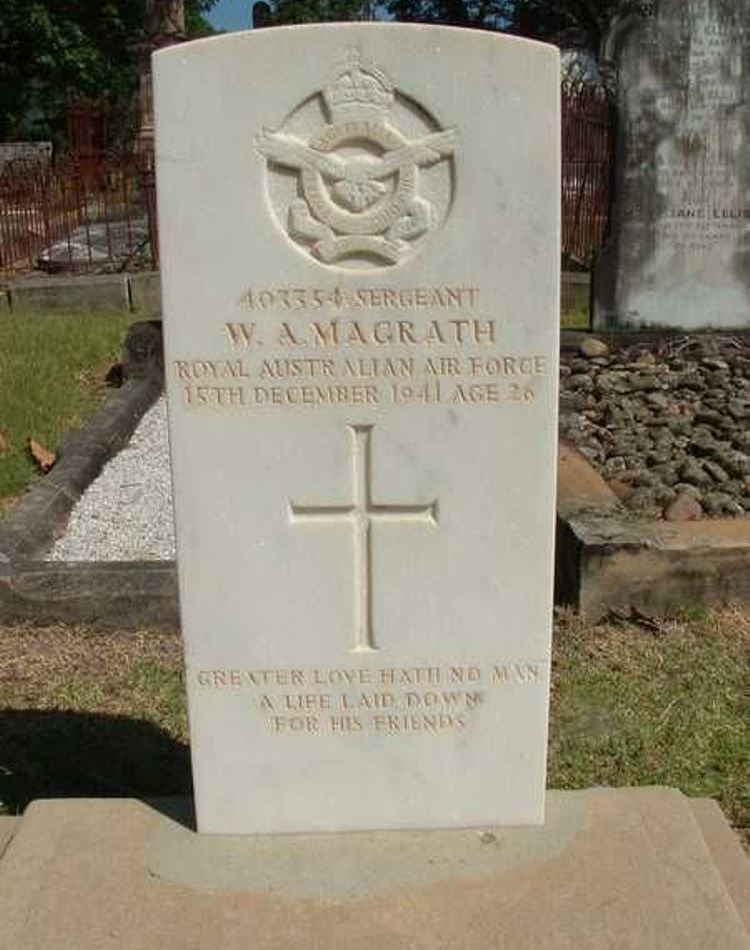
(388, 701)
(446, 297)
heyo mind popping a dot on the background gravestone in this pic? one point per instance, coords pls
(679, 252)
(36, 153)
(361, 310)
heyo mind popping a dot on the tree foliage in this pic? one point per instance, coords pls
(549, 19)
(541, 19)
(317, 11)
(55, 51)
(481, 14)
(476, 14)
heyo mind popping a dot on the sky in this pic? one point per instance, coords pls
(231, 15)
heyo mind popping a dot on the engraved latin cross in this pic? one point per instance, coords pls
(362, 514)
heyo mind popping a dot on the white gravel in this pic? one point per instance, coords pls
(126, 513)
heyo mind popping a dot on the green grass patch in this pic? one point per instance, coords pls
(90, 714)
(94, 714)
(51, 379)
(663, 707)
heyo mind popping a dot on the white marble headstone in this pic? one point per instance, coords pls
(359, 246)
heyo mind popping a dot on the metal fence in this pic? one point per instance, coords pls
(587, 156)
(93, 213)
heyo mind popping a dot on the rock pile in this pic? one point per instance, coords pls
(666, 423)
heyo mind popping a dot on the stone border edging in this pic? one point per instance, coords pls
(608, 561)
(33, 523)
(108, 595)
(37, 294)
(45, 590)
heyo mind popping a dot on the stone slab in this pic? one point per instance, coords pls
(105, 293)
(578, 481)
(36, 153)
(115, 595)
(145, 293)
(726, 850)
(627, 869)
(143, 351)
(575, 291)
(359, 864)
(609, 561)
(654, 568)
(365, 549)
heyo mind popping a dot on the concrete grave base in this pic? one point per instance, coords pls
(629, 868)
(102, 293)
(608, 561)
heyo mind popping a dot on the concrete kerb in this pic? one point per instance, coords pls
(106, 595)
(608, 561)
(39, 294)
(145, 293)
(105, 293)
(117, 595)
(575, 290)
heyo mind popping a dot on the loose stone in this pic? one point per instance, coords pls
(592, 347)
(683, 508)
(665, 415)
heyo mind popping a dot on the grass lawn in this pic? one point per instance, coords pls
(51, 379)
(96, 714)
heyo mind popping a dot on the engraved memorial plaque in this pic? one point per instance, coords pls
(360, 282)
(679, 252)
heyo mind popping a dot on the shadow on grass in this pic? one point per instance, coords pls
(57, 754)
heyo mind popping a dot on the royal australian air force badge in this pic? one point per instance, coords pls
(359, 175)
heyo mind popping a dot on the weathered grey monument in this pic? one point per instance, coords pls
(679, 253)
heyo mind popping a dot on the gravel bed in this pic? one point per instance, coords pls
(666, 423)
(126, 513)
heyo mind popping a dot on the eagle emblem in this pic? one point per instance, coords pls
(358, 198)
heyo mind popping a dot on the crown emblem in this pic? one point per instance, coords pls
(358, 90)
